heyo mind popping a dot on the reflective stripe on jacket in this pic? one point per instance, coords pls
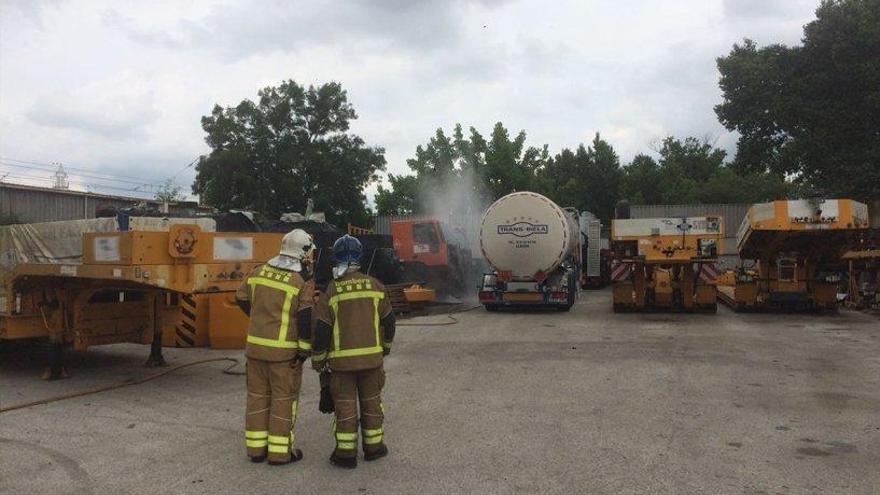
(275, 297)
(353, 307)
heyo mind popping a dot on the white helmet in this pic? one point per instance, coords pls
(295, 247)
(296, 244)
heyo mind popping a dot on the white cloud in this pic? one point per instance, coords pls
(119, 107)
(121, 86)
(751, 9)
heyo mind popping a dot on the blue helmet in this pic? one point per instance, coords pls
(347, 249)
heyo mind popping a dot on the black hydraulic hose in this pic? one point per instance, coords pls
(125, 383)
(453, 320)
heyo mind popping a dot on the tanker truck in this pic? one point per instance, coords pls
(533, 248)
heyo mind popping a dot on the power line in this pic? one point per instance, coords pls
(188, 165)
(89, 175)
(84, 170)
(141, 185)
(89, 187)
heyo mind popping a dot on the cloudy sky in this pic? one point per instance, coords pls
(115, 89)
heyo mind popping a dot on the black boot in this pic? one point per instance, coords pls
(258, 459)
(343, 462)
(379, 453)
(55, 370)
(295, 455)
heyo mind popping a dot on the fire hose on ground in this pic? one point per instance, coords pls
(227, 370)
(125, 383)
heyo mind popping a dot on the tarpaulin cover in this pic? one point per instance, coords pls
(61, 242)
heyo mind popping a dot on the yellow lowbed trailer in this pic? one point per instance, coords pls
(129, 285)
(666, 264)
(863, 267)
(795, 247)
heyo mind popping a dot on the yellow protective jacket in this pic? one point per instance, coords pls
(280, 304)
(354, 324)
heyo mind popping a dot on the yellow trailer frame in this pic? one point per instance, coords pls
(864, 262)
(665, 264)
(119, 293)
(796, 246)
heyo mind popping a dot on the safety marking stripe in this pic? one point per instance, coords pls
(185, 330)
(709, 272)
(620, 272)
(182, 339)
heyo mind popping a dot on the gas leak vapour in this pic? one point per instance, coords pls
(458, 201)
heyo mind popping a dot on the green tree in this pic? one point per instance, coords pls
(811, 111)
(560, 179)
(440, 166)
(401, 198)
(693, 171)
(602, 179)
(437, 159)
(684, 166)
(509, 165)
(293, 144)
(588, 178)
(727, 186)
(641, 179)
(464, 167)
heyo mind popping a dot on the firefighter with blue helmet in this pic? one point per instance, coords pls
(354, 328)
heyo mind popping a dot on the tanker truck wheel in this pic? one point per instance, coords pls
(572, 287)
(568, 304)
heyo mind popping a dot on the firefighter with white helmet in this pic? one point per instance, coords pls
(278, 299)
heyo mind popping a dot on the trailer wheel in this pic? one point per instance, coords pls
(491, 307)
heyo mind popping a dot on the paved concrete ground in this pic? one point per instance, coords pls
(583, 402)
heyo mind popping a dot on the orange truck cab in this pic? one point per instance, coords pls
(433, 253)
(421, 241)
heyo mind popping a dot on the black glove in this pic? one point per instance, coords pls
(386, 351)
(302, 356)
(326, 405)
(245, 306)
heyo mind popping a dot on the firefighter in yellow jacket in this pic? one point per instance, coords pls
(278, 300)
(354, 328)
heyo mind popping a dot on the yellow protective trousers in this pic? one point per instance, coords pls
(272, 393)
(350, 389)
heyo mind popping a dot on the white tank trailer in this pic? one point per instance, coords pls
(534, 249)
